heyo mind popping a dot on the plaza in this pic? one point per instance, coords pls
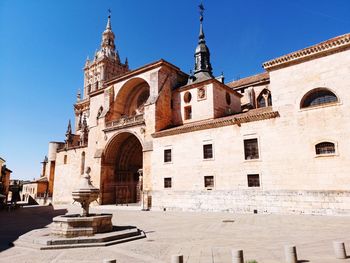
(201, 237)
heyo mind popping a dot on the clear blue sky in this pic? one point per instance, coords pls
(44, 44)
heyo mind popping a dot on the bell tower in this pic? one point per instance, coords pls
(202, 65)
(105, 64)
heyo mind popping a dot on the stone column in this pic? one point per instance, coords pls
(177, 259)
(290, 254)
(339, 249)
(237, 256)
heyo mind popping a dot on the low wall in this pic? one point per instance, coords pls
(259, 201)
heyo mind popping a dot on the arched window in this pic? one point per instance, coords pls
(99, 113)
(316, 97)
(264, 99)
(325, 148)
(82, 165)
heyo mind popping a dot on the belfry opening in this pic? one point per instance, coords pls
(121, 174)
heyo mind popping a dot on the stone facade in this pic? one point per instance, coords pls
(270, 143)
(5, 174)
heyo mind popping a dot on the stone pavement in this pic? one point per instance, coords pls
(200, 237)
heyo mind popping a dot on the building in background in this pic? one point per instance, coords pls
(38, 191)
(4, 182)
(276, 142)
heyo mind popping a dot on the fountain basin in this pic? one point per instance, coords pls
(75, 225)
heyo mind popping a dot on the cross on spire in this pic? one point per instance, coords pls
(201, 11)
(109, 27)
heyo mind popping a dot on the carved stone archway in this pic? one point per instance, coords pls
(121, 162)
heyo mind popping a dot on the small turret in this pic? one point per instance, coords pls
(202, 66)
(69, 135)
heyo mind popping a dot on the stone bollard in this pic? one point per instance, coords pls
(290, 253)
(339, 249)
(237, 256)
(177, 259)
(109, 261)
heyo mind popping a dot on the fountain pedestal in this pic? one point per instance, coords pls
(75, 225)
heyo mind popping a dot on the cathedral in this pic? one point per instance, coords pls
(161, 139)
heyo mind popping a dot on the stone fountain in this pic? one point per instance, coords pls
(80, 230)
(85, 224)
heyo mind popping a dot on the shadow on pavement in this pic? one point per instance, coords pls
(22, 220)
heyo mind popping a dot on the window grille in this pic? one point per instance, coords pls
(207, 151)
(325, 148)
(318, 97)
(208, 181)
(251, 149)
(253, 180)
(167, 182)
(167, 155)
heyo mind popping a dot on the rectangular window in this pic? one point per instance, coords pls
(188, 113)
(207, 151)
(65, 159)
(253, 180)
(167, 182)
(251, 149)
(167, 155)
(209, 181)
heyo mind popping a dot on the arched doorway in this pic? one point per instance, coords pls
(121, 166)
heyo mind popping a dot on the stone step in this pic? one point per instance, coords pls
(109, 243)
(40, 239)
(74, 232)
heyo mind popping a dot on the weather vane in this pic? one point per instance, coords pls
(109, 11)
(201, 10)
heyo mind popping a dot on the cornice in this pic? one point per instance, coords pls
(325, 48)
(238, 119)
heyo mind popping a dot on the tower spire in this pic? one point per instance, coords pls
(69, 128)
(108, 37)
(109, 26)
(202, 66)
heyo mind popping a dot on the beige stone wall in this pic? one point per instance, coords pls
(286, 147)
(67, 175)
(255, 201)
(221, 105)
(287, 163)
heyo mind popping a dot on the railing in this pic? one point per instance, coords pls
(126, 121)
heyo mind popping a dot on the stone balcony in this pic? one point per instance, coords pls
(125, 122)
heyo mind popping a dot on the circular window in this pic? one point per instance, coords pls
(187, 97)
(228, 98)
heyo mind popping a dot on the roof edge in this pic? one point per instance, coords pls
(144, 68)
(324, 48)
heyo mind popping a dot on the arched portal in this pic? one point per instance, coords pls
(121, 165)
(130, 100)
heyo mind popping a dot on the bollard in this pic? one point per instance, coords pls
(177, 259)
(237, 256)
(339, 249)
(290, 253)
(109, 261)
